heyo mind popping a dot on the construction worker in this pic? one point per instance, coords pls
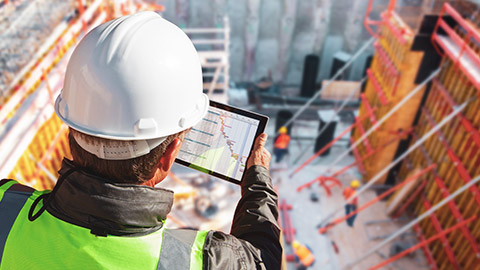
(352, 206)
(303, 255)
(280, 145)
(133, 88)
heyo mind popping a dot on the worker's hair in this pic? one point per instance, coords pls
(129, 171)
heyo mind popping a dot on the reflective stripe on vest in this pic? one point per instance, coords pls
(182, 243)
(11, 203)
(49, 242)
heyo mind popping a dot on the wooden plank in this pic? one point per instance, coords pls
(401, 195)
(340, 90)
(407, 62)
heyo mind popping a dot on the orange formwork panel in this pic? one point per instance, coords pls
(455, 147)
(391, 77)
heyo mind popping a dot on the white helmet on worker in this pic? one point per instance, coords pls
(135, 80)
(355, 183)
(295, 244)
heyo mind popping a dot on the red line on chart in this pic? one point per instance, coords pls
(230, 143)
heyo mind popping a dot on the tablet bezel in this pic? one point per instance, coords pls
(263, 120)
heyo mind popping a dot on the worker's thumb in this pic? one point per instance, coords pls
(261, 140)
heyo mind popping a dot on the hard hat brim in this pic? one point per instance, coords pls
(194, 118)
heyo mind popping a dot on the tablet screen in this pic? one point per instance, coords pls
(221, 142)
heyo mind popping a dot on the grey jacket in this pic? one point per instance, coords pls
(107, 208)
(254, 241)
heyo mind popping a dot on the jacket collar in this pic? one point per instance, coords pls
(108, 208)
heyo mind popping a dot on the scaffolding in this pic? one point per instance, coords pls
(391, 77)
(437, 114)
(453, 147)
(212, 45)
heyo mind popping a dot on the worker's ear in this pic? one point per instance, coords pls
(166, 161)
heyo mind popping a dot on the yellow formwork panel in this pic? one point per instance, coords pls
(390, 54)
(48, 147)
(461, 143)
(455, 150)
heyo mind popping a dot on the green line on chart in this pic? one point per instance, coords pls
(201, 131)
(197, 142)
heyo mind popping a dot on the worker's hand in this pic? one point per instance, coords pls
(260, 155)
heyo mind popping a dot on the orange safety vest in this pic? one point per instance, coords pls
(349, 192)
(304, 255)
(282, 141)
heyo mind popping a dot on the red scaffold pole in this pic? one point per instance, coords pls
(323, 182)
(286, 221)
(359, 158)
(376, 85)
(409, 201)
(369, 108)
(367, 22)
(426, 251)
(424, 243)
(383, 195)
(356, 162)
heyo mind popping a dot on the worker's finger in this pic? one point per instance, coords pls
(260, 155)
(261, 140)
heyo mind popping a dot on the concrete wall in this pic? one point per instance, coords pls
(274, 36)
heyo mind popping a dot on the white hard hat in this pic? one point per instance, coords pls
(137, 77)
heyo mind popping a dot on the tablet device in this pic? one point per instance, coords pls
(221, 142)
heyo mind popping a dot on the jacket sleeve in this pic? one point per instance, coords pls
(254, 242)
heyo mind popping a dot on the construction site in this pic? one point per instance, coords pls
(379, 98)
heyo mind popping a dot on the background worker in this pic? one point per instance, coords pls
(133, 88)
(280, 145)
(303, 255)
(352, 206)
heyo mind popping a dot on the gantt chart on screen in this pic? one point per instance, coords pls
(221, 142)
